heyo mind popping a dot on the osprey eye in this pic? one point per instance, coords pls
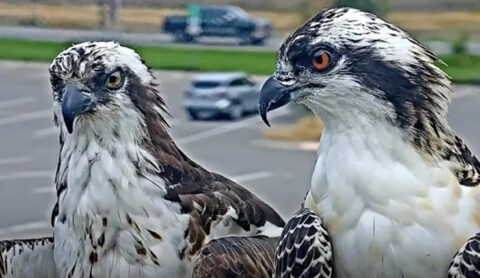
(114, 80)
(321, 60)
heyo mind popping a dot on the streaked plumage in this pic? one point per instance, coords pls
(247, 257)
(27, 258)
(466, 263)
(304, 250)
(130, 202)
(397, 189)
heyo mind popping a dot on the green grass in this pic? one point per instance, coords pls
(196, 59)
(30, 50)
(170, 58)
(462, 68)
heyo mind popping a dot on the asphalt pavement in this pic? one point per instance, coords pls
(279, 173)
(139, 38)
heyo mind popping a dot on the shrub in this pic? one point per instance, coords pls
(459, 46)
(378, 7)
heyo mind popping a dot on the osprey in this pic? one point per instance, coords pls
(397, 189)
(130, 202)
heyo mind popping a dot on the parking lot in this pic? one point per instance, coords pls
(28, 147)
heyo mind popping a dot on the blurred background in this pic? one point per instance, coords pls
(210, 58)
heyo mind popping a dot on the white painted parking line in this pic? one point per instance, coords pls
(196, 124)
(227, 128)
(461, 91)
(169, 76)
(175, 121)
(465, 93)
(15, 160)
(50, 131)
(44, 190)
(252, 176)
(23, 117)
(22, 228)
(173, 78)
(15, 102)
(27, 175)
(5, 112)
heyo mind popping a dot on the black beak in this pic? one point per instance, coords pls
(74, 103)
(272, 96)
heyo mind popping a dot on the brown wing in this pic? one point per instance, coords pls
(467, 166)
(203, 194)
(206, 196)
(209, 199)
(231, 257)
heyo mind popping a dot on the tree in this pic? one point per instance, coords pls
(308, 8)
(378, 7)
(109, 13)
(114, 13)
(102, 14)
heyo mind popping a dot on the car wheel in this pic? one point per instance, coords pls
(193, 115)
(255, 110)
(183, 37)
(247, 37)
(235, 112)
(257, 41)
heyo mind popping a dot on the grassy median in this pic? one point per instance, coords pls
(462, 68)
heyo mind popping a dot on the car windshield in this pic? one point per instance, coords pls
(240, 13)
(205, 84)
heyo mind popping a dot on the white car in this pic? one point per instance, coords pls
(213, 95)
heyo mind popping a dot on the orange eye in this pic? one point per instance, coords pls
(321, 60)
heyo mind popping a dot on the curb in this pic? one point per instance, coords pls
(309, 146)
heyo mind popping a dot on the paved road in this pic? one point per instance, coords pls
(28, 147)
(52, 34)
(76, 35)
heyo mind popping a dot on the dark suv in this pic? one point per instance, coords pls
(218, 21)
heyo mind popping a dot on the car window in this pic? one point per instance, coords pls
(213, 14)
(250, 81)
(205, 84)
(239, 82)
(240, 13)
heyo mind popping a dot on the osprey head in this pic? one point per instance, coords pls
(347, 65)
(98, 84)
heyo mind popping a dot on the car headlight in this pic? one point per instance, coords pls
(223, 103)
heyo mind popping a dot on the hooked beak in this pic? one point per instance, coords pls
(272, 96)
(74, 103)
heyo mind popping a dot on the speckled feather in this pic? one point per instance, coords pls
(422, 115)
(304, 249)
(466, 263)
(397, 189)
(187, 182)
(248, 257)
(22, 258)
(130, 203)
